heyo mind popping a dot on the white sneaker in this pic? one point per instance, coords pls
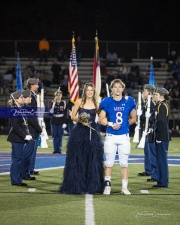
(107, 190)
(125, 191)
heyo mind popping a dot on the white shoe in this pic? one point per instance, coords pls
(125, 191)
(107, 190)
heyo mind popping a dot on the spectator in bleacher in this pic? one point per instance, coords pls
(56, 69)
(121, 76)
(167, 85)
(134, 68)
(46, 79)
(65, 71)
(175, 99)
(11, 70)
(27, 73)
(60, 54)
(125, 70)
(111, 58)
(31, 66)
(144, 78)
(175, 85)
(103, 66)
(133, 82)
(38, 71)
(174, 68)
(79, 48)
(64, 85)
(44, 48)
(172, 57)
(110, 77)
(80, 88)
(4, 86)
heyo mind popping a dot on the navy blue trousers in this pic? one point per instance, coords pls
(162, 163)
(33, 159)
(147, 159)
(57, 134)
(152, 150)
(70, 127)
(16, 156)
(26, 158)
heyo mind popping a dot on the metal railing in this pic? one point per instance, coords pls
(136, 49)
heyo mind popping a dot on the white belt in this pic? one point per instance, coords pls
(58, 115)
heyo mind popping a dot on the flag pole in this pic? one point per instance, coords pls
(96, 68)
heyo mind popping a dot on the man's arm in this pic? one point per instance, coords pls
(132, 118)
(102, 118)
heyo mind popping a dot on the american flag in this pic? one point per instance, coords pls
(19, 85)
(151, 76)
(96, 69)
(73, 85)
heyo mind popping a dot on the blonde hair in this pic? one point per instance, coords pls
(119, 81)
(11, 102)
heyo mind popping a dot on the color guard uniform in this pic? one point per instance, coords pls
(58, 123)
(147, 157)
(33, 104)
(162, 139)
(17, 135)
(35, 130)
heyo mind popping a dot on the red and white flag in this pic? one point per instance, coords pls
(96, 69)
(73, 85)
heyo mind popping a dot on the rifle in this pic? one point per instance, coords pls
(136, 134)
(143, 138)
(41, 109)
(107, 90)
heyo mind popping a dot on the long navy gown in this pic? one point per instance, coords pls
(84, 172)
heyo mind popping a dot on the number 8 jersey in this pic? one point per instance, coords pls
(118, 112)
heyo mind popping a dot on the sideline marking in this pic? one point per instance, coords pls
(144, 191)
(31, 189)
(89, 210)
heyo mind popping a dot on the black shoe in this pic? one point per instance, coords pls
(151, 180)
(144, 174)
(34, 172)
(29, 178)
(159, 186)
(20, 184)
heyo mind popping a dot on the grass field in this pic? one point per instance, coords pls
(47, 206)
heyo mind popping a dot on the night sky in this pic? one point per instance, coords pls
(137, 20)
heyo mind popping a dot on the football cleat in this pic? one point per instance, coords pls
(107, 189)
(125, 191)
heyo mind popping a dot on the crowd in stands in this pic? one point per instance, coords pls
(111, 67)
(135, 78)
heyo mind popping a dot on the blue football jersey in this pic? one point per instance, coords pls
(118, 112)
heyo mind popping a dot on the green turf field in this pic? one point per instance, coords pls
(47, 206)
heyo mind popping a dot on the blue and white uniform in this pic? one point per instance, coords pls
(117, 112)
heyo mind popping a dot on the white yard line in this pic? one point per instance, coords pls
(89, 210)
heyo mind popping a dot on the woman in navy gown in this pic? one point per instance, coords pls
(83, 172)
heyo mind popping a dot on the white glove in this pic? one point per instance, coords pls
(64, 125)
(139, 112)
(43, 124)
(158, 142)
(147, 114)
(111, 124)
(51, 110)
(28, 138)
